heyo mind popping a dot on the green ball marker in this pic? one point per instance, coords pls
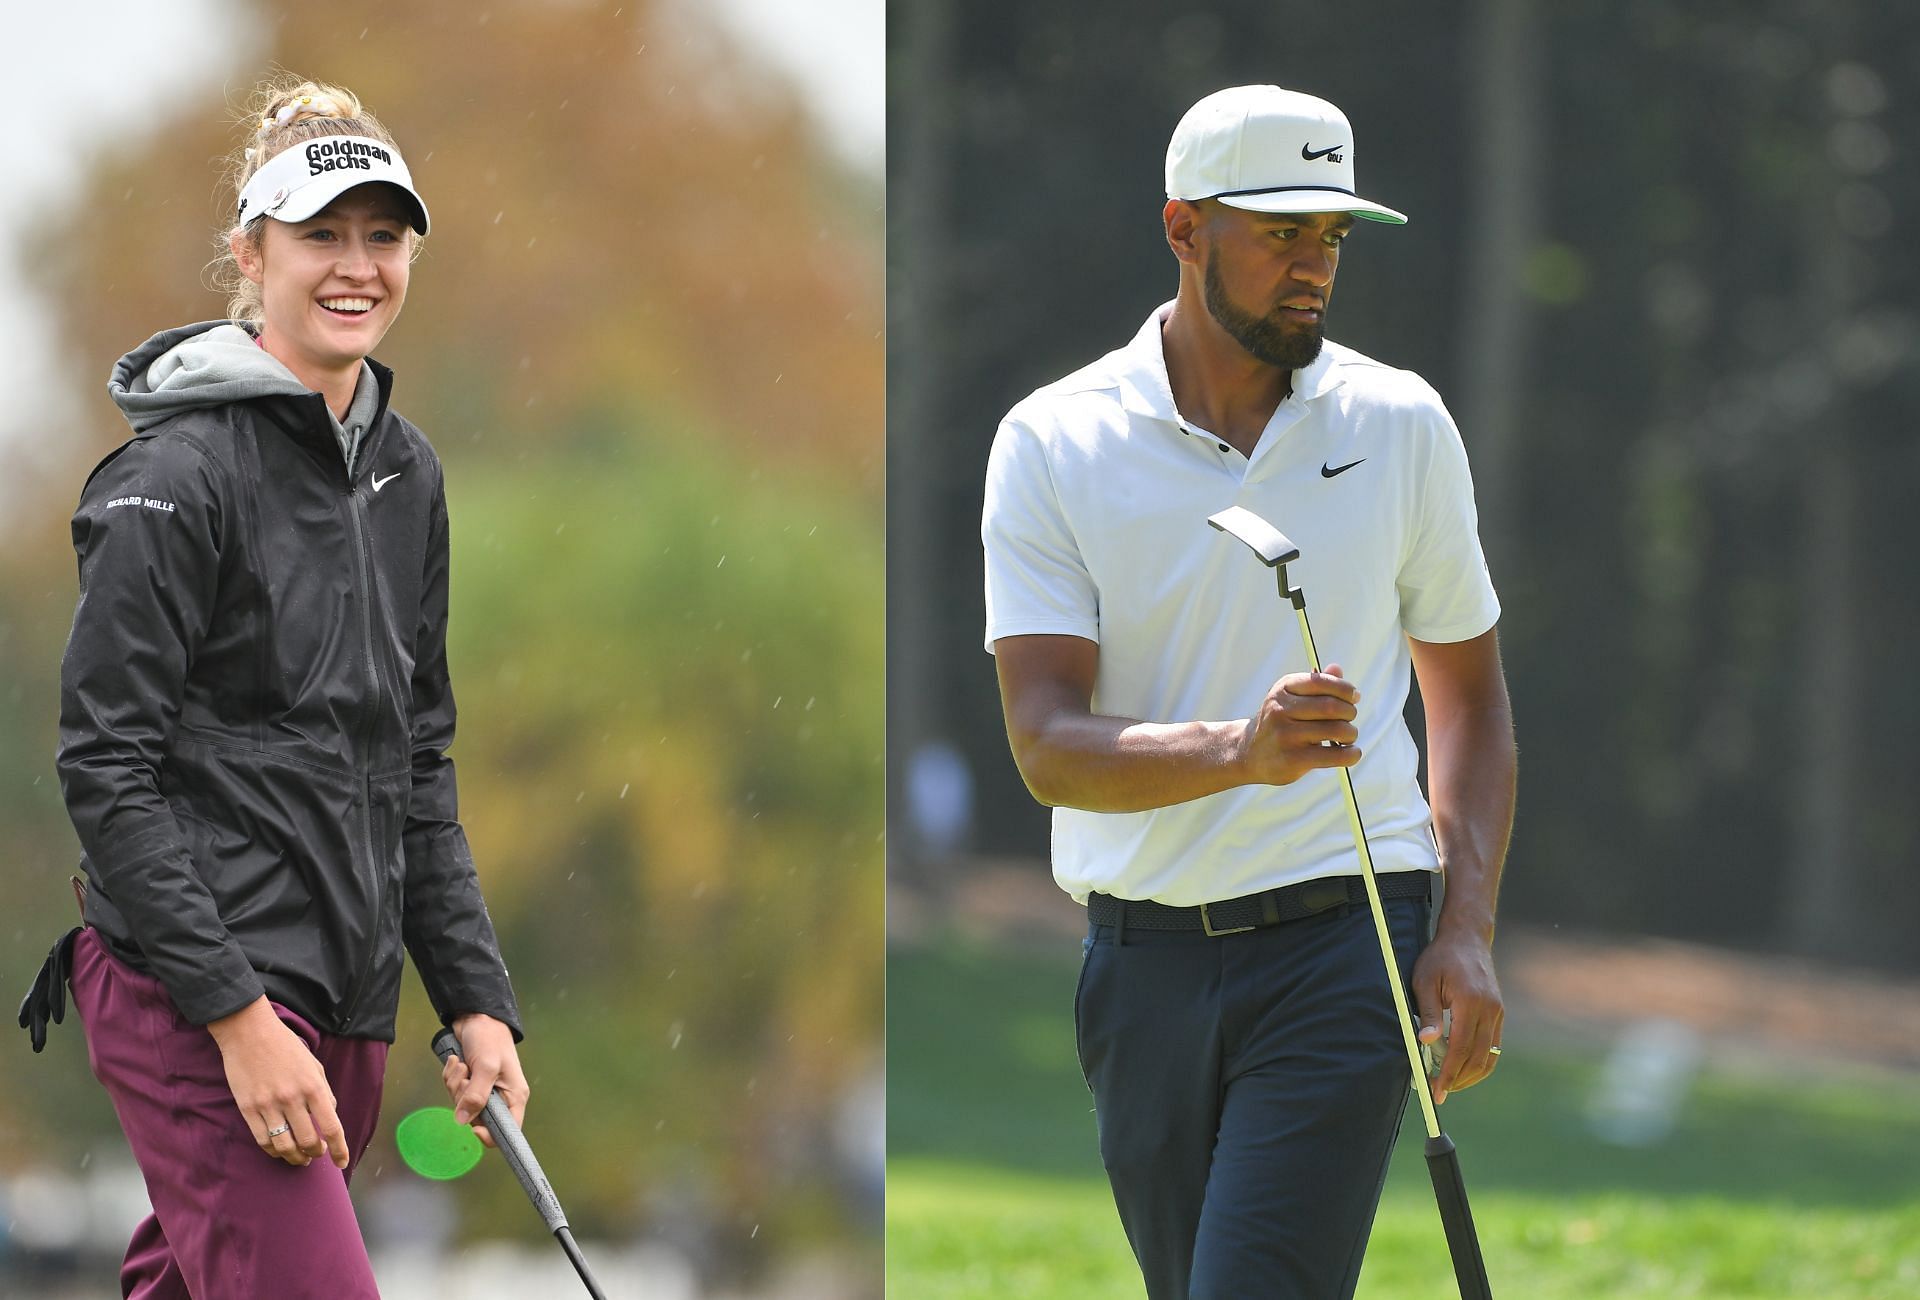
(436, 1145)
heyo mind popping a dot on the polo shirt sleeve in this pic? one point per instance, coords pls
(1446, 593)
(1037, 582)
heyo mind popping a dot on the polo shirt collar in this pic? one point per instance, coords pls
(1318, 379)
(1146, 391)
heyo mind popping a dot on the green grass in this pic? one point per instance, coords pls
(1765, 1192)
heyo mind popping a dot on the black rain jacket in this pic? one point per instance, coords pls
(254, 716)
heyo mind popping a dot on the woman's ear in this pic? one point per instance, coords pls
(246, 253)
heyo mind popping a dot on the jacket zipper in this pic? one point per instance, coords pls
(356, 511)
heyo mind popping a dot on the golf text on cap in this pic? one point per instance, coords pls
(330, 154)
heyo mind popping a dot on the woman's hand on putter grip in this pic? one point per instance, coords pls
(276, 1080)
(1305, 723)
(1454, 977)
(486, 1062)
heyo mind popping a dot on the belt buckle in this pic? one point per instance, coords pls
(1206, 923)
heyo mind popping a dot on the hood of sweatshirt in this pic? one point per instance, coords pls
(215, 362)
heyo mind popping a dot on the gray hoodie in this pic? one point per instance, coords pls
(218, 361)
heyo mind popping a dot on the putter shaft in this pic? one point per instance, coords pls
(1423, 1088)
(1443, 1162)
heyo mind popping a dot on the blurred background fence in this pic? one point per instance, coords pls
(645, 339)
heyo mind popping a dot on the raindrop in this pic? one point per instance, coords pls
(776, 704)
(623, 789)
(723, 560)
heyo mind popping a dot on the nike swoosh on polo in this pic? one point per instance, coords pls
(1314, 155)
(379, 482)
(1326, 472)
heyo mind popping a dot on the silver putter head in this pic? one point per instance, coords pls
(1266, 541)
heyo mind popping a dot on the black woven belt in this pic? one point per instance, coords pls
(1251, 911)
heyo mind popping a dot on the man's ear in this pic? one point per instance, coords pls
(1184, 219)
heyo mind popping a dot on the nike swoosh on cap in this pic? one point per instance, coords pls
(1314, 155)
(379, 482)
(1326, 472)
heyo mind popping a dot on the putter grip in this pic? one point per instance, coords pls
(512, 1143)
(1463, 1243)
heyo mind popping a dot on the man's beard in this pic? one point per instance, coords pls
(1280, 344)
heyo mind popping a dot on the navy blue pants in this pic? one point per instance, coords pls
(1248, 1089)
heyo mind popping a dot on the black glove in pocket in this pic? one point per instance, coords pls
(46, 1001)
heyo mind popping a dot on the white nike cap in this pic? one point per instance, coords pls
(303, 178)
(1268, 150)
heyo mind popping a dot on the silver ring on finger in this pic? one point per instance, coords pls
(276, 1132)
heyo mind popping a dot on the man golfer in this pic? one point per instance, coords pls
(1233, 1017)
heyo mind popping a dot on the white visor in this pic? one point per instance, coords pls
(302, 179)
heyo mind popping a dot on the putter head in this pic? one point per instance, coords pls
(1261, 537)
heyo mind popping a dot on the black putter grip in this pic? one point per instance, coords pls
(1463, 1243)
(512, 1143)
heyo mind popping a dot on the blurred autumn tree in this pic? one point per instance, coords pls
(622, 209)
(645, 338)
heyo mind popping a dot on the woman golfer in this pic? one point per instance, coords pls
(254, 717)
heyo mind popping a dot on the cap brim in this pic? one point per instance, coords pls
(323, 189)
(1311, 200)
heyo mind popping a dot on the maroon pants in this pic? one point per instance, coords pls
(229, 1222)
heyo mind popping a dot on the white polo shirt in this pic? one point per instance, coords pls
(1095, 526)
